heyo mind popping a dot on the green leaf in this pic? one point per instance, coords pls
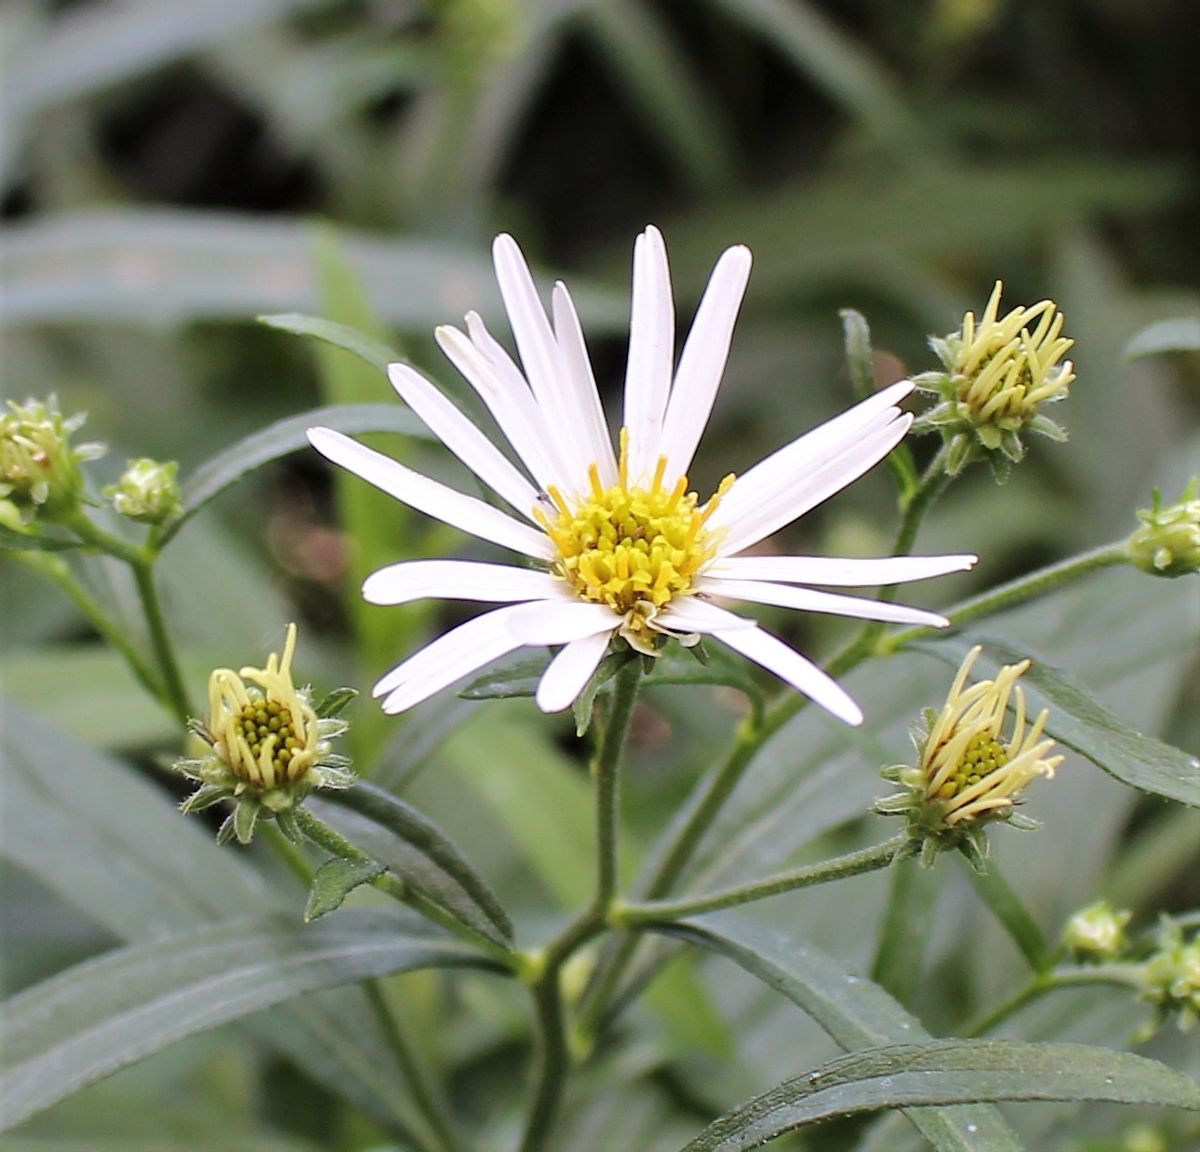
(334, 881)
(1080, 722)
(515, 677)
(855, 1012)
(419, 852)
(335, 703)
(11, 541)
(282, 438)
(947, 1072)
(1007, 907)
(106, 1013)
(365, 347)
(1178, 335)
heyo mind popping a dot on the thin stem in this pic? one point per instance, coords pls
(160, 638)
(553, 1055)
(851, 864)
(1017, 591)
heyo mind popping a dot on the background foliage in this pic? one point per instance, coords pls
(169, 172)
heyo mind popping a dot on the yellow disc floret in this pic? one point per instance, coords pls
(635, 548)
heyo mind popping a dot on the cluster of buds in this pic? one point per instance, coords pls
(997, 374)
(1171, 976)
(40, 474)
(1096, 934)
(147, 491)
(968, 772)
(1168, 542)
(269, 746)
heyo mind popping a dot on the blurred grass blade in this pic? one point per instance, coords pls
(365, 347)
(855, 1012)
(101, 1015)
(1182, 335)
(943, 1072)
(282, 438)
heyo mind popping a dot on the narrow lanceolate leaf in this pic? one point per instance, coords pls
(334, 881)
(101, 1015)
(1177, 335)
(280, 439)
(1079, 721)
(855, 1012)
(365, 347)
(946, 1072)
(419, 852)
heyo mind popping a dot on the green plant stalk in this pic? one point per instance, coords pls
(1123, 975)
(904, 933)
(57, 572)
(553, 1055)
(632, 915)
(1010, 910)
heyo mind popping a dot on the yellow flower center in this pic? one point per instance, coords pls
(982, 756)
(633, 548)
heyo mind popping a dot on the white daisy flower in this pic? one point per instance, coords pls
(621, 546)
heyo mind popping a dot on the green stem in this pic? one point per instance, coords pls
(630, 915)
(57, 571)
(1124, 975)
(553, 1055)
(1017, 591)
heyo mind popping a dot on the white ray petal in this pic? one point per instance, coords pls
(794, 669)
(458, 580)
(570, 671)
(560, 621)
(809, 488)
(466, 441)
(651, 353)
(500, 385)
(809, 600)
(578, 378)
(449, 658)
(428, 496)
(837, 571)
(702, 362)
(688, 614)
(783, 467)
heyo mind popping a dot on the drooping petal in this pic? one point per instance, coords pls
(794, 669)
(449, 658)
(810, 600)
(470, 445)
(837, 571)
(651, 353)
(428, 496)
(560, 621)
(570, 671)
(702, 362)
(459, 580)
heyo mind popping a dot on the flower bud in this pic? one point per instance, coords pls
(998, 373)
(269, 745)
(1168, 542)
(39, 467)
(968, 771)
(1096, 933)
(1171, 977)
(147, 491)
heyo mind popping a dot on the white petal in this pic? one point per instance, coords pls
(466, 441)
(703, 360)
(489, 369)
(570, 671)
(833, 570)
(783, 468)
(809, 600)
(450, 657)
(578, 379)
(808, 490)
(428, 496)
(801, 673)
(651, 353)
(688, 614)
(560, 621)
(458, 580)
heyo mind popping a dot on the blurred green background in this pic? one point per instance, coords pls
(169, 171)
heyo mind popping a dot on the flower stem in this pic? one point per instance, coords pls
(553, 1056)
(629, 915)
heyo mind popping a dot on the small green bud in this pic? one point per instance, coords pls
(147, 491)
(1171, 977)
(1096, 933)
(40, 472)
(1168, 542)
